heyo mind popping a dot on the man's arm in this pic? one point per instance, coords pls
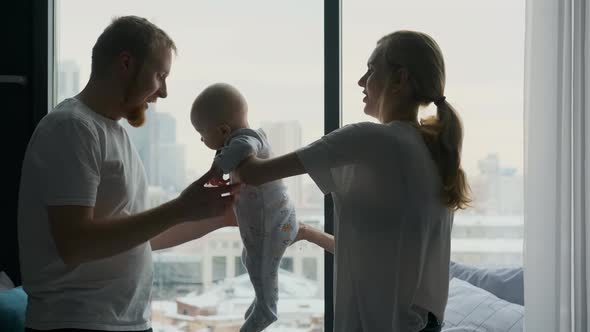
(189, 231)
(80, 237)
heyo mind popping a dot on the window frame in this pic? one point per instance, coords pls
(47, 96)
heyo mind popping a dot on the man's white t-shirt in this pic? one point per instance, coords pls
(392, 231)
(78, 157)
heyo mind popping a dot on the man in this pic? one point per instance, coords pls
(85, 235)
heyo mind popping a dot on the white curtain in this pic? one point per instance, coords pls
(557, 166)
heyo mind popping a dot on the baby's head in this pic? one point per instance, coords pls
(216, 112)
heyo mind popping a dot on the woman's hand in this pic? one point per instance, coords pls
(246, 171)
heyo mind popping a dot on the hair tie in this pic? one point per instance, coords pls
(440, 100)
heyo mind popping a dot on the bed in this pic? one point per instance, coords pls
(484, 299)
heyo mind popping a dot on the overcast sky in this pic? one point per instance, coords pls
(273, 52)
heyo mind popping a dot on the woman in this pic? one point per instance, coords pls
(395, 184)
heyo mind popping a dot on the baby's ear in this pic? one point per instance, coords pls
(225, 130)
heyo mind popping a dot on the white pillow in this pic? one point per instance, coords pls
(473, 309)
(506, 283)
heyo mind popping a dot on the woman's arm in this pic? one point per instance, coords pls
(255, 171)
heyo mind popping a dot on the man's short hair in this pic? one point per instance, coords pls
(133, 34)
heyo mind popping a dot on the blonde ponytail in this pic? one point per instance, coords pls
(443, 135)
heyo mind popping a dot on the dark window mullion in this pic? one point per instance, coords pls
(332, 120)
(43, 17)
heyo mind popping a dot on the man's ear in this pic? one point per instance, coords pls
(126, 64)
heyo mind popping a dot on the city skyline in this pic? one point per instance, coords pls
(496, 188)
(70, 69)
(283, 80)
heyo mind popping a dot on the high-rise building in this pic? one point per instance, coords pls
(492, 241)
(490, 232)
(156, 196)
(145, 139)
(312, 195)
(221, 254)
(68, 80)
(166, 128)
(171, 167)
(176, 275)
(164, 159)
(497, 190)
(285, 137)
(221, 308)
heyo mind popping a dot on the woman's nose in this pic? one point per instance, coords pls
(361, 82)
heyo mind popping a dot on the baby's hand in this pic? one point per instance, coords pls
(217, 177)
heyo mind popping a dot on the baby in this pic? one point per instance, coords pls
(265, 215)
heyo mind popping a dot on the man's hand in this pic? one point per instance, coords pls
(217, 177)
(198, 202)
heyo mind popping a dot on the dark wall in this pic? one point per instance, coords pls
(24, 53)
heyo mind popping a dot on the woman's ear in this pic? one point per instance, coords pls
(403, 76)
(399, 80)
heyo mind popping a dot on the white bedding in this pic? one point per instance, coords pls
(473, 309)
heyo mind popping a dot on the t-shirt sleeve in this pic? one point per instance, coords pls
(236, 150)
(326, 157)
(69, 158)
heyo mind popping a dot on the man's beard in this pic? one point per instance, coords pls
(136, 117)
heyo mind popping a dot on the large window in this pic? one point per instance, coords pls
(483, 46)
(273, 53)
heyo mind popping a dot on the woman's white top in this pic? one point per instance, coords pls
(392, 231)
